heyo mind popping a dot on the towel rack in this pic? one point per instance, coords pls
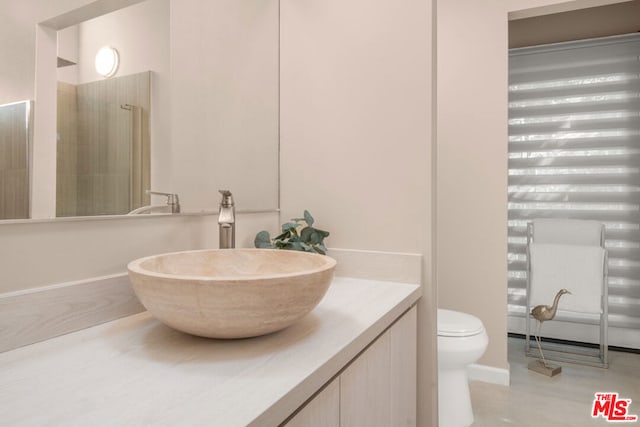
(580, 233)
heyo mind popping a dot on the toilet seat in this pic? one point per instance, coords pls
(456, 324)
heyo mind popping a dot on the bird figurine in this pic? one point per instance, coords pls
(542, 313)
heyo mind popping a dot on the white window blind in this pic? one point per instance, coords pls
(574, 152)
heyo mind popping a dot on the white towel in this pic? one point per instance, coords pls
(577, 268)
(567, 231)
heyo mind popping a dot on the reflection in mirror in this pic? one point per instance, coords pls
(214, 122)
(103, 162)
(15, 131)
(103, 146)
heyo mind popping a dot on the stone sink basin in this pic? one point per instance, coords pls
(231, 293)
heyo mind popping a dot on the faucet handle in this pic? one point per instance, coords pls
(158, 193)
(227, 199)
(172, 199)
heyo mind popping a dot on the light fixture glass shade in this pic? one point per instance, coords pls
(107, 61)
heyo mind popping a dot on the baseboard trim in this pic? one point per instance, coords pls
(488, 374)
(38, 314)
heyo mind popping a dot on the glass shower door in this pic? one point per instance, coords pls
(15, 129)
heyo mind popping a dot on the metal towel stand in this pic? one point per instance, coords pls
(564, 352)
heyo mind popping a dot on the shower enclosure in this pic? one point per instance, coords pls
(16, 124)
(103, 146)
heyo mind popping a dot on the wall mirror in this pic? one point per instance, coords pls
(109, 138)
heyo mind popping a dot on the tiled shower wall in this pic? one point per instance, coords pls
(14, 168)
(67, 150)
(103, 146)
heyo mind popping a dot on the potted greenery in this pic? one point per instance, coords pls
(297, 235)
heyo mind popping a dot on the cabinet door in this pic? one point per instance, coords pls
(322, 411)
(379, 388)
(404, 335)
(365, 387)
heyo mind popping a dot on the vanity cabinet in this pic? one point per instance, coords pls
(351, 362)
(378, 388)
(321, 411)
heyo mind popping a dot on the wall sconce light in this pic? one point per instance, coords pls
(107, 61)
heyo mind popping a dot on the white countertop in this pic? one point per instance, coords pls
(136, 371)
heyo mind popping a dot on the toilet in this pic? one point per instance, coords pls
(462, 340)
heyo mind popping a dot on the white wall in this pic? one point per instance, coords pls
(356, 134)
(16, 75)
(224, 103)
(18, 21)
(472, 166)
(35, 254)
(68, 49)
(472, 157)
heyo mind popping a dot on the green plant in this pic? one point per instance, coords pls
(297, 235)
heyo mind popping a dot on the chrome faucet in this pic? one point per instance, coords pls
(227, 221)
(172, 200)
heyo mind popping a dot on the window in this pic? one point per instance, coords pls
(574, 152)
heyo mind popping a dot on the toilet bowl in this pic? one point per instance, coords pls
(462, 340)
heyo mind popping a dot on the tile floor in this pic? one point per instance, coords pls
(533, 399)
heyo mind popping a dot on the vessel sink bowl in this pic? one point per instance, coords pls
(231, 293)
